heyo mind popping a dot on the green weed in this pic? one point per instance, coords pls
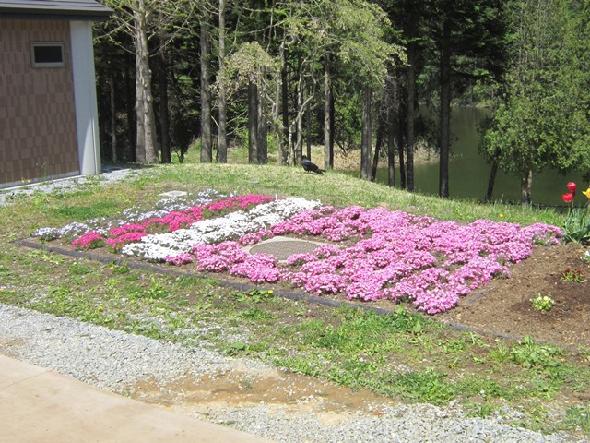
(254, 296)
(425, 386)
(533, 355)
(578, 417)
(573, 275)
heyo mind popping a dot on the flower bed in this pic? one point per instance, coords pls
(370, 254)
(397, 256)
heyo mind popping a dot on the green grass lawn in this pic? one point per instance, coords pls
(404, 356)
(342, 189)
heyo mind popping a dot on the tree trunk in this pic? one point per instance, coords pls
(392, 106)
(113, 122)
(390, 158)
(297, 152)
(491, 181)
(164, 111)
(378, 146)
(445, 110)
(285, 141)
(147, 151)
(261, 151)
(152, 151)
(410, 116)
(526, 185)
(332, 125)
(402, 166)
(328, 121)
(139, 98)
(376, 153)
(222, 105)
(366, 133)
(252, 122)
(401, 153)
(206, 145)
(291, 145)
(130, 109)
(308, 134)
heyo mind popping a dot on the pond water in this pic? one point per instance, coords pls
(469, 172)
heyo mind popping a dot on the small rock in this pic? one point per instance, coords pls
(173, 194)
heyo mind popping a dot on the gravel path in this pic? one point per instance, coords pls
(114, 359)
(103, 357)
(65, 184)
(405, 423)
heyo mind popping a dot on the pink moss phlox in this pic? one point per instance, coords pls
(180, 260)
(299, 259)
(127, 228)
(176, 220)
(238, 202)
(89, 240)
(123, 239)
(255, 237)
(218, 257)
(401, 256)
(257, 268)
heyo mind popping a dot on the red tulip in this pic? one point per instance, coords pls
(571, 186)
(567, 197)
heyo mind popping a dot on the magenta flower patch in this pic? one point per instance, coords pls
(377, 254)
(90, 240)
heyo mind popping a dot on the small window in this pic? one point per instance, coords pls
(48, 55)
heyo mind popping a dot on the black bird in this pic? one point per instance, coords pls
(309, 166)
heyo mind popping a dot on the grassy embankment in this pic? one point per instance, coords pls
(404, 356)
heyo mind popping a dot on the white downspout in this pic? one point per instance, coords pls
(85, 97)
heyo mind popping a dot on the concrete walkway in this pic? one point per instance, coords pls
(39, 405)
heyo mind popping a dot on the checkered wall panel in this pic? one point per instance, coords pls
(37, 110)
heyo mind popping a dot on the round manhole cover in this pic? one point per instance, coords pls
(282, 249)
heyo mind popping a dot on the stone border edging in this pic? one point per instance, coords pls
(245, 287)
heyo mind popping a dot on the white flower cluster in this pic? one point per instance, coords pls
(165, 205)
(103, 225)
(586, 256)
(72, 229)
(231, 226)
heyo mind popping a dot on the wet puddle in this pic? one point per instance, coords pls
(239, 388)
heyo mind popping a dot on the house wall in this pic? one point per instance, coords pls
(37, 105)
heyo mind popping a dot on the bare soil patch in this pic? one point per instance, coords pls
(504, 305)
